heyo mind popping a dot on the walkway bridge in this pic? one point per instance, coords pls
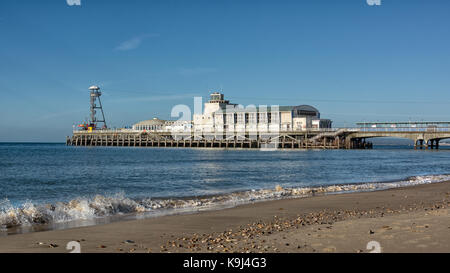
(424, 134)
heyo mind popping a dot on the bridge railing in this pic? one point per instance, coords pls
(405, 129)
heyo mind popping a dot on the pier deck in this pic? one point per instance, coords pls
(343, 138)
(284, 140)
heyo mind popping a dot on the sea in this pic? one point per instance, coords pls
(52, 186)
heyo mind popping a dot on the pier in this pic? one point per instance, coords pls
(228, 125)
(425, 135)
(316, 139)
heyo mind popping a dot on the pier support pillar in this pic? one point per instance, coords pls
(348, 142)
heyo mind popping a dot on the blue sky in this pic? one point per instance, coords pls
(354, 62)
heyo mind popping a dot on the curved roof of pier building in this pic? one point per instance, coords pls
(305, 110)
(154, 121)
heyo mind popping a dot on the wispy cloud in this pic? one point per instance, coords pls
(134, 43)
(196, 71)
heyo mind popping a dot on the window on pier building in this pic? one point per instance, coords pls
(251, 118)
(240, 118)
(218, 118)
(231, 118)
(274, 117)
(262, 117)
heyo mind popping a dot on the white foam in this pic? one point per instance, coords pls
(102, 206)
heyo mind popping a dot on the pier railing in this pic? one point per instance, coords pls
(309, 130)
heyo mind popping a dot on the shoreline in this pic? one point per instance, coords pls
(169, 206)
(324, 223)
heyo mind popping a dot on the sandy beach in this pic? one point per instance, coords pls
(410, 219)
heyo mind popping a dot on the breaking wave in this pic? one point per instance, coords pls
(30, 214)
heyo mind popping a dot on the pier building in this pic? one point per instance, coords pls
(159, 125)
(221, 115)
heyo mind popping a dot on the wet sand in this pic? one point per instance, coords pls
(410, 219)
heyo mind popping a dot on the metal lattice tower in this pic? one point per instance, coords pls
(95, 95)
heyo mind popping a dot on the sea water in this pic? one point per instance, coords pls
(58, 186)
